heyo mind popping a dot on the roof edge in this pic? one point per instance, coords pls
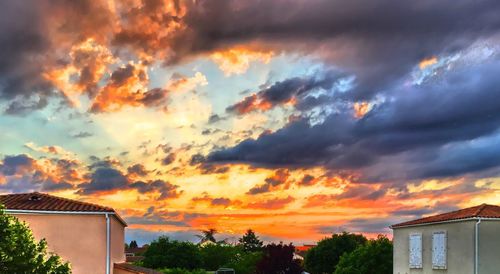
(33, 211)
(447, 221)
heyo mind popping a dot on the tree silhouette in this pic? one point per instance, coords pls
(278, 258)
(207, 235)
(133, 244)
(250, 241)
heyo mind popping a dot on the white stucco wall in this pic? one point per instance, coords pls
(460, 248)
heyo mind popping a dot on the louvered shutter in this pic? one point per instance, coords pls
(439, 245)
(415, 250)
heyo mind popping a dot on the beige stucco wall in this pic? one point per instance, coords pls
(79, 239)
(489, 247)
(460, 251)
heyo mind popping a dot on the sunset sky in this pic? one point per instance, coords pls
(297, 119)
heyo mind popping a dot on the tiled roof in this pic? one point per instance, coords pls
(46, 202)
(480, 211)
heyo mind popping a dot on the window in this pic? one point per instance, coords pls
(416, 250)
(439, 247)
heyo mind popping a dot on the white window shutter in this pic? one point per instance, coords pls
(415, 250)
(439, 250)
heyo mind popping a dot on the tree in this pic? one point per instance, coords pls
(218, 255)
(324, 257)
(278, 258)
(163, 253)
(246, 262)
(375, 257)
(21, 253)
(250, 242)
(207, 235)
(133, 244)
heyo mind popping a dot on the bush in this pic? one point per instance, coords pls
(324, 257)
(375, 257)
(163, 253)
(21, 253)
(246, 262)
(218, 255)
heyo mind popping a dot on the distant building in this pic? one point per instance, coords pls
(460, 242)
(135, 254)
(89, 236)
(302, 249)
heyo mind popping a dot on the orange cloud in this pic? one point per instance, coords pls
(237, 60)
(428, 62)
(361, 108)
(277, 203)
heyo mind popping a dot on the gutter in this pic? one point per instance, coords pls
(476, 246)
(108, 232)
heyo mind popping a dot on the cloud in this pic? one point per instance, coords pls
(82, 134)
(22, 173)
(276, 203)
(383, 45)
(398, 133)
(104, 179)
(166, 189)
(279, 178)
(137, 169)
(237, 60)
(288, 91)
(219, 201)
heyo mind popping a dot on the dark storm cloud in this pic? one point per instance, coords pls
(166, 189)
(282, 92)
(417, 120)
(23, 174)
(378, 41)
(104, 179)
(12, 163)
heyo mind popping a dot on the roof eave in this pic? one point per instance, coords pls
(29, 211)
(444, 222)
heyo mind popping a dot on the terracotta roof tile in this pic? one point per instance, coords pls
(480, 211)
(46, 202)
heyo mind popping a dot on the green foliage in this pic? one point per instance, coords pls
(133, 244)
(375, 257)
(163, 253)
(245, 262)
(181, 271)
(20, 253)
(218, 255)
(324, 257)
(250, 242)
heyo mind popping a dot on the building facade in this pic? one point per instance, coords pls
(459, 242)
(89, 236)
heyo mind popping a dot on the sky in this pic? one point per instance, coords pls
(297, 119)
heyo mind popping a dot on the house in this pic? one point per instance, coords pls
(460, 242)
(89, 236)
(300, 251)
(135, 254)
